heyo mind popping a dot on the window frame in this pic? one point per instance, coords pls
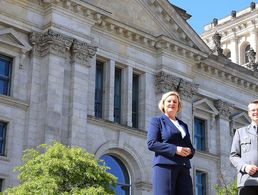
(135, 100)
(4, 142)
(100, 65)
(7, 78)
(1, 184)
(118, 96)
(204, 182)
(205, 144)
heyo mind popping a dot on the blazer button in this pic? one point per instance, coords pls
(184, 164)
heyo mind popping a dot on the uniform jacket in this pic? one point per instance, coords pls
(244, 150)
(163, 137)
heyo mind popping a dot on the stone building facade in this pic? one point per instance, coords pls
(238, 33)
(91, 72)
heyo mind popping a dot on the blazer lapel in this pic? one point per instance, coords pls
(168, 122)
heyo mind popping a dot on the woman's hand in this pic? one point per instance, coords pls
(183, 151)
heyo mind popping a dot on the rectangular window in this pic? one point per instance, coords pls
(3, 126)
(5, 75)
(199, 134)
(1, 185)
(135, 101)
(200, 183)
(99, 89)
(117, 95)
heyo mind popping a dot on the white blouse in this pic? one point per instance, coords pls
(179, 127)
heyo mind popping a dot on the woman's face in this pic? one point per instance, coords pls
(171, 105)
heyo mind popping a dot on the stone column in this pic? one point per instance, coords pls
(91, 90)
(224, 141)
(147, 103)
(80, 54)
(234, 50)
(254, 42)
(51, 49)
(127, 85)
(108, 96)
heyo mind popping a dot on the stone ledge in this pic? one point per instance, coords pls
(116, 127)
(8, 100)
(206, 155)
(4, 159)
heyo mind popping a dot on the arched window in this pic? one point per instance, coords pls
(118, 169)
(247, 48)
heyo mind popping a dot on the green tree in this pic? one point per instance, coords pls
(58, 169)
(226, 189)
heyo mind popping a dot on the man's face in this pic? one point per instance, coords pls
(253, 112)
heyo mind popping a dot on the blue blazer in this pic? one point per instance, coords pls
(163, 137)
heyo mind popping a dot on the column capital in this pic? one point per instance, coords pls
(224, 108)
(50, 42)
(57, 44)
(82, 51)
(165, 82)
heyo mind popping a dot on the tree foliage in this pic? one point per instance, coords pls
(58, 169)
(229, 189)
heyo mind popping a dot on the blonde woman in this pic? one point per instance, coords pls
(169, 139)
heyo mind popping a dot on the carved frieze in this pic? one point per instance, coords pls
(50, 42)
(165, 82)
(224, 108)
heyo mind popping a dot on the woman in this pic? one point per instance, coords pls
(169, 138)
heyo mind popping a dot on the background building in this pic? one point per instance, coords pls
(238, 34)
(91, 73)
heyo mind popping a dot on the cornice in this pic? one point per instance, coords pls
(157, 43)
(186, 35)
(241, 77)
(79, 7)
(103, 20)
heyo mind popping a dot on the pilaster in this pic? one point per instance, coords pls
(91, 90)
(147, 103)
(127, 84)
(224, 141)
(81, 52)
(109, 84)
(234, 50)
(49, 55)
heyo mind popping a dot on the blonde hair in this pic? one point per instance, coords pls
(165, 96)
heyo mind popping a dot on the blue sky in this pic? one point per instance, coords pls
(203, 11)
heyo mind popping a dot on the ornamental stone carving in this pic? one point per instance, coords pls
(216, 39)
(251, 58)
(81, 52)
(165, 82)
(224, 108)
(59, 44)
(50, 42)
